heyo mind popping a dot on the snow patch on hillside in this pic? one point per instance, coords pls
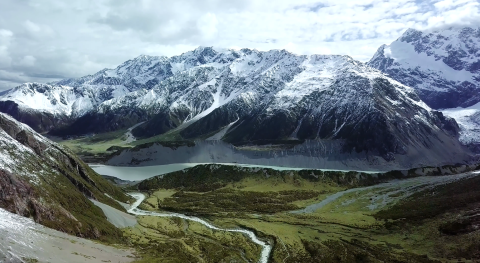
(129, 136)
(22, 238)
(406, 57)
(469, 122)
(219, 135)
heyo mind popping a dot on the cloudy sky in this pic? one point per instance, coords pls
(45, 40)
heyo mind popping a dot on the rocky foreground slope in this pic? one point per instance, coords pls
(45, 181)
(22, 240)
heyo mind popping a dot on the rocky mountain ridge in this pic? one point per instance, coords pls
(43, 180)
(245, 97)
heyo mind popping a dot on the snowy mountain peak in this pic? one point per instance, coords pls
(443, 65)
(456, 47)
(161, 81)
(380, 54)
(410, 33)
(142, 59)
(43, 97)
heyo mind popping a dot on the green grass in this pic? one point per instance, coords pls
(86, 219)
(435, 224)
(97, 144)
(234, 201)
(158, 196)
(172, 135)
(204, 178)
(433, 202)
(176, 240)
(58, 195)
(30, 260)
(346, 230)
(446, 216)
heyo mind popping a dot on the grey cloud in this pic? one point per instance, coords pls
(164, 21)
(314, 7)
(44, 76)
(368, 6)
(12, 77)
(135, 22)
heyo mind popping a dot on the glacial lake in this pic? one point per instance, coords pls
(138, 173)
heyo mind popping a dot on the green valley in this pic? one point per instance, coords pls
(395, 221)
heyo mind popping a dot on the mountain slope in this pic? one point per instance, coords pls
(44, 181)
(252, 98)
(443, 65)
(48, 106)
(309, 98)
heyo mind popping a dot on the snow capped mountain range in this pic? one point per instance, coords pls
(443, 66)
(241, 97)
(194, 83)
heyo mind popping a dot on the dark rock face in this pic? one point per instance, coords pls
(99, 122)
(370, 124)
(39, 121)
(215, 121)
(443, 65)
(465, 95)
(356, 122)
(159, 124)
(447, 124)
(17, 196)
(22, 136)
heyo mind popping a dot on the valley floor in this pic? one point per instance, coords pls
(334, 224)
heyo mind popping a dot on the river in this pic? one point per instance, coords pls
(266, 248)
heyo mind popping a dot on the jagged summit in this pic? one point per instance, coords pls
(442, 65)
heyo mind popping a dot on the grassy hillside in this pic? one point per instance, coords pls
(46, 181)
(203, 178)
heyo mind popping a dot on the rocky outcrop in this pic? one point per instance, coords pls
(40, 121)
(44, 181)
(17, 196)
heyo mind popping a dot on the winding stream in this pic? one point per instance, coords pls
(266, 248)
